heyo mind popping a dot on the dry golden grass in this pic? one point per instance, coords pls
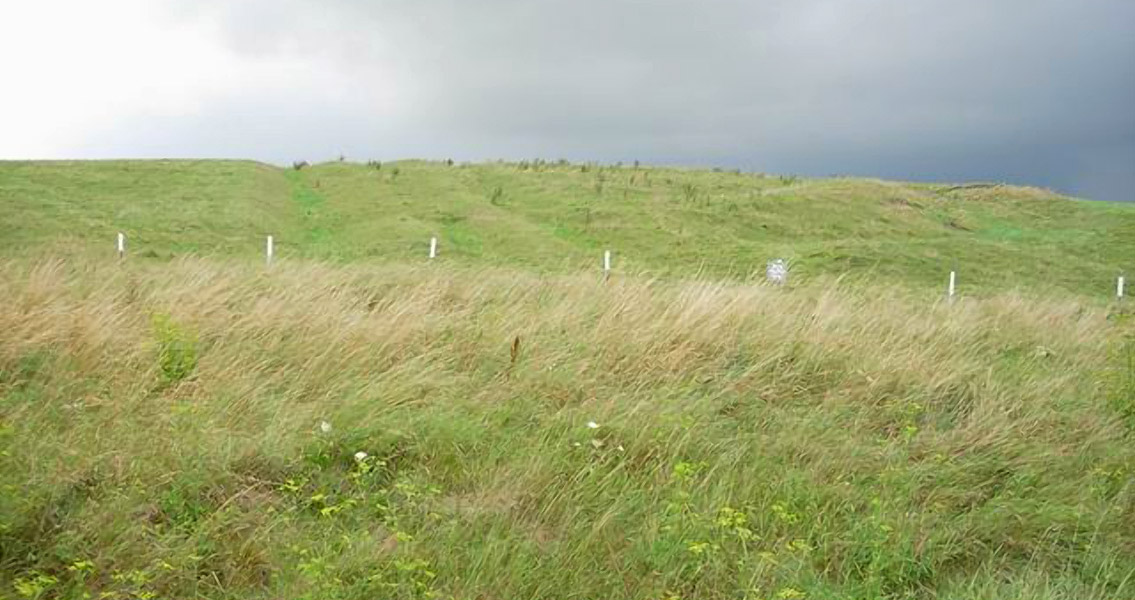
(162, 424)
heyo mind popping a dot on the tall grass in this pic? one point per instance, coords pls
(551, 437)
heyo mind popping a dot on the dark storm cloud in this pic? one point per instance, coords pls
(1030, 91)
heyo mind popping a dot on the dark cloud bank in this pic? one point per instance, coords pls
(1027, 91)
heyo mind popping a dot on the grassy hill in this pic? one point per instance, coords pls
(355, 423)
(560, 217)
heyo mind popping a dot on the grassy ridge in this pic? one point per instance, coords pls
(160, 436)
(559, 217)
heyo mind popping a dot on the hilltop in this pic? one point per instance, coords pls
(560, 217)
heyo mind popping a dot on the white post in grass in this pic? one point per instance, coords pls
(269, 249)
(776, 271)
(433, 247)
(1119, 287)
(953, 282)
(606, 264)
(121, 244)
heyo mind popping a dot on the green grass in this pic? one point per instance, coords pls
(160, 437)
(161, 418)
(166, 208)
(560, 217)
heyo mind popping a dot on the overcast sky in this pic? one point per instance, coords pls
(1027, 91)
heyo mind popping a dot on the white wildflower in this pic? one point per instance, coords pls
(360, 456)
(325, 427)
(592, 425)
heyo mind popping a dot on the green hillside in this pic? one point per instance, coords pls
(560, 217)
(357, 422)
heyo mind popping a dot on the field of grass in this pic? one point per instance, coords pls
(549, 436)
(558, 218)
(356, 422)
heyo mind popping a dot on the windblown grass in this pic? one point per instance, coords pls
(160, 437)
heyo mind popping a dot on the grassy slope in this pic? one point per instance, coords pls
(159, 420)
(557, 217)
(163, 206)
(752, 442)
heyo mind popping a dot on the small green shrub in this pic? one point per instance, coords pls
(177, 349)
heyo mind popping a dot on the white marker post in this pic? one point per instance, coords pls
(269, 250)
(953, 282)
(433, 247)
(1119, 288)
(121, 245)
(606, 264)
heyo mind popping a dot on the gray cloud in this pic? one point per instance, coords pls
(1029, 91)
